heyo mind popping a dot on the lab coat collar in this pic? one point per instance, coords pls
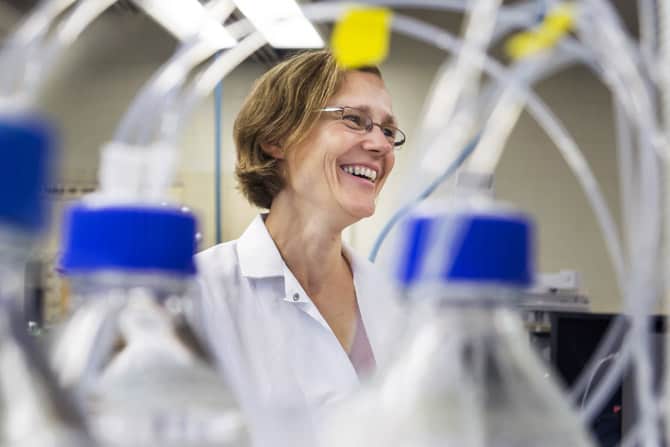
(258, 254)
(260, 258)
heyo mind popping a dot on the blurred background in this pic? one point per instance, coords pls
(116, 55)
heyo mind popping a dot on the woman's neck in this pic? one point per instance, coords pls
(309, 242)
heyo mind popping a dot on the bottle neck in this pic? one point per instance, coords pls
(120, 287)
(15, 249)
(446, 295)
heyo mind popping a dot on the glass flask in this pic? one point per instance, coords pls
(467, 375)
(34, 411)
(130, 350)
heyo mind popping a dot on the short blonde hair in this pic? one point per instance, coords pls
(278, 111)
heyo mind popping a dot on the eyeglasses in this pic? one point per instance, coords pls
(356, 119)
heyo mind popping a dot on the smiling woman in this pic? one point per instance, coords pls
(315, 145)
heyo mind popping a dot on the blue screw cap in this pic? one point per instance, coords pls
(130, 239)
(476, 248)
(27, 149)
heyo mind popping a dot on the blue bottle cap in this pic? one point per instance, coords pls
(475, 248)
(27, 145)
(130, 239)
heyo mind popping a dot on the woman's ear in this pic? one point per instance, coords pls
(274, 150)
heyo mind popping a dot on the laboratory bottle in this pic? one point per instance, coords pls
(467, 375)
(130, 350)
(34, 410)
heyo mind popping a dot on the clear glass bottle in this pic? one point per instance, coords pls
(467, 375)
(129, 349)
(34, 411)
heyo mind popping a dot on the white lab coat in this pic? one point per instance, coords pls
(281, 350)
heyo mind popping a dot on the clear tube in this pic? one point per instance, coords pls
(645, 235)
(599, 26)
(462, 77)
(664, 87)
(528, 72)
(512, 16)
(634, 434)
(169, 79)
(648, 33)
(30, 51)
(443, 40)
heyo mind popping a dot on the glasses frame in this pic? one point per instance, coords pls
(370, 126)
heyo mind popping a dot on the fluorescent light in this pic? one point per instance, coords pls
(281, 22)
(186, 18)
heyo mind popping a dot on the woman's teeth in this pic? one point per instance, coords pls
(361, 171)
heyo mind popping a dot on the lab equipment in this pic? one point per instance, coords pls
(130, 351)
(467, 376)
(634, 102)
(34, 411)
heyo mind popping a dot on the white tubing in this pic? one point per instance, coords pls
(30, 52)
(134, 129)
(441, 39)
(663, 68)
(537, 108)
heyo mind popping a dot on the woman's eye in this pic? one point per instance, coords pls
(389, 132)
(357, 120)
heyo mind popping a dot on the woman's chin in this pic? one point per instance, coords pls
(361, 211)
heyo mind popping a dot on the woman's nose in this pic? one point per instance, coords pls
(376, 140)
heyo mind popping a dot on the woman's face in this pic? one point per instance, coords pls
(316, 168)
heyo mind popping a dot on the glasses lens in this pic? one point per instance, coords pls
(390, 133)
(355, 119)
(398, 137)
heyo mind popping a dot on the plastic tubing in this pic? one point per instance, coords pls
(609, 38)
(648, 31)
(634, 435)
(34, 52)
(515, 15)
(30, 52)
(134, 128)
(619, 326)
(536, 107)
(510, 17)
(457, 81)
(463, 75)
(29, 31)
(620, 323)
(530, 72)
(664, 87)
(451, 169)
(574, 158)
(441, 39)
(643, 238)
(625, 163)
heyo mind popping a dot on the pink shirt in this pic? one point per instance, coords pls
(361, 355)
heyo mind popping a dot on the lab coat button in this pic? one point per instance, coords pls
(296, 297)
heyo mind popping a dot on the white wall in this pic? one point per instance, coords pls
(108, 67)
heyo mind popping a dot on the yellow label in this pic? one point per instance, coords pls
(362, 37)
(555, 25)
